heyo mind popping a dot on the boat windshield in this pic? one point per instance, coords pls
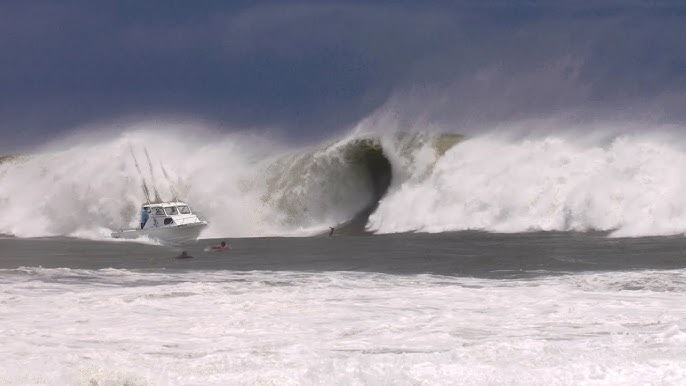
(172, 210)
(158, 211)
(184, 210)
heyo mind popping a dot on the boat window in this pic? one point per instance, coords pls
(184, 210)
(172, 210)
(159, 211)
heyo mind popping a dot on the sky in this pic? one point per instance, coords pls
(311, 69)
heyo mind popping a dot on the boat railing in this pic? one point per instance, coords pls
(187, 220)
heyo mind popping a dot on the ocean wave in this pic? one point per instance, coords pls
(631, 185)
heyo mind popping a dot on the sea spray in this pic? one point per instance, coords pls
(152, 175)
(633, 186)
(58, 193)
(95, 184)
(240, 187)
(144, 185)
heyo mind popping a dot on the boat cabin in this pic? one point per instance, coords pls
(166, 214)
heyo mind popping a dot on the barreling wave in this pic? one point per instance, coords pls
(241, 186)
(631, 185)
(341, 184)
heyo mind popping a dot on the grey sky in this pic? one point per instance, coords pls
(312, 69)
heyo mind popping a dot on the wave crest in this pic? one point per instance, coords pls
(631, 185)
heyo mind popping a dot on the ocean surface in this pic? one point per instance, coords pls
(469, 307)
(528, 259)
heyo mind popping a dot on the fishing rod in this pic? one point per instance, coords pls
(152, 176)
(145, 186)
(171, 186)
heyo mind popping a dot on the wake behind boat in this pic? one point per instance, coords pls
(169, 222)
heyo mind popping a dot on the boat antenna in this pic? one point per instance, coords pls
(152, 176)
(145, 186)
(171, 186)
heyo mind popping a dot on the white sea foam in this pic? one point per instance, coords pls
(63, 326)
(242, 185)
(632, 185)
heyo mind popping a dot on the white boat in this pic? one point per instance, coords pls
(169, 222)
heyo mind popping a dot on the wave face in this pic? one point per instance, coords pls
(631, 185)
(241, 185)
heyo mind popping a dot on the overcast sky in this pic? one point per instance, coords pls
(311, 69)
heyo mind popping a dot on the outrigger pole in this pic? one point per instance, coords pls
(152, 175)
(145, 186)
(171, 186)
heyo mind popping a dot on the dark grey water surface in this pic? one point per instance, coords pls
(460, 254)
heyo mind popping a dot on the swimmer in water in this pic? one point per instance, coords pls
(220, 248)
(184, 255)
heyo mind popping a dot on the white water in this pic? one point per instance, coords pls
(243, 186)
(62, 326)
(632, 185)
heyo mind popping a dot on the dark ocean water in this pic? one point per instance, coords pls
(474, 254)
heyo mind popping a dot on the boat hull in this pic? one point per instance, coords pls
(172, 235)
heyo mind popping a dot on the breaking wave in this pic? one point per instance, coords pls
(243, 186)
(632, 185)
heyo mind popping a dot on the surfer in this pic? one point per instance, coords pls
(184, 255)
(331, 232)
(220, 248)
